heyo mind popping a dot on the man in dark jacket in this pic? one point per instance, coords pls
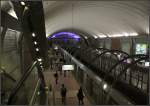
(63, 94)
(80, 96)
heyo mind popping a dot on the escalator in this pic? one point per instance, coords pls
(30, 89)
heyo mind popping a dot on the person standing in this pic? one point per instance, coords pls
(63, 94)
(80, 96)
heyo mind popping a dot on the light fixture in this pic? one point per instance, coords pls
(147, 64)
(86, 37)
(104, 86)
(56, 48)
(39, 59)
(22, 3)
(117, 35)
(37, 49)
(26, 8)
(95, 37)
(35, 42)
(70, 34)
(133, 34)
(33, 34)
(102, 36)
(40, 63)
(119, 56)
(126, 34)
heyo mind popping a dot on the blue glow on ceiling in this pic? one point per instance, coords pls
(67, 34)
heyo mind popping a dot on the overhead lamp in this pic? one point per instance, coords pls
(22, 3)
(35, 42)
(86, 37)
(95, 37)
(133, 34)
(119, 56)
(56, 48)
(37, 49)
(147, 64)
(102, 36)
(117, 35)
(33, 34)
(104, 86)
(39, 59)
(26, 7)
(40, 63)
(125, 34)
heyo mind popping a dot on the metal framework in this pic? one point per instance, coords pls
(115, 69)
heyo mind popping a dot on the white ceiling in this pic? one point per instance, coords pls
(98, 17)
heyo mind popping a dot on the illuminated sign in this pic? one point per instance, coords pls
(68, 67)
(141, 48)
(147, 64)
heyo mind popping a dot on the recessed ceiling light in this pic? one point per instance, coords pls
(86, 37)
(37, 49)
(104, 86)
(35, 42)
(125, 34)
(33, 34)
(22, 3)
(102, 36)
(39, 59)
(56, 48)
(133, 34)
(95, 37)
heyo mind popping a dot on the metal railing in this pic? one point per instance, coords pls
(109, 67)
(22, 81)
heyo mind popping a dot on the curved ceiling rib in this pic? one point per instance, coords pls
(98, 17)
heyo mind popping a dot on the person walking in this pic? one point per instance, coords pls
(63, 94)
(80, 96)
(56, 77)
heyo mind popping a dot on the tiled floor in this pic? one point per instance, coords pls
(71, 85)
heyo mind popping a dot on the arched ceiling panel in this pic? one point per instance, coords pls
(98, 17)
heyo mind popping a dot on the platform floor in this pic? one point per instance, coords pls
(71, 85)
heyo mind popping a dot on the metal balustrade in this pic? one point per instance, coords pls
(115, 67)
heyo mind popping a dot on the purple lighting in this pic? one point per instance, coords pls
(67, 34)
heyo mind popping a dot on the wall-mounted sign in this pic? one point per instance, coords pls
(141, 48)
(147, 64)
(68, 67)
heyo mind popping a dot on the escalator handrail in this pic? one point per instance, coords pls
(20, 83)
(34, 93)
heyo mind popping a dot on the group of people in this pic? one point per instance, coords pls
(80, 95)
(63, 90)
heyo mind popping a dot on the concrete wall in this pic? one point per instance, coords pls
(10, 60)
(127, 44)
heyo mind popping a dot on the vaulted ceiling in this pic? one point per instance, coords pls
(110, 17)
